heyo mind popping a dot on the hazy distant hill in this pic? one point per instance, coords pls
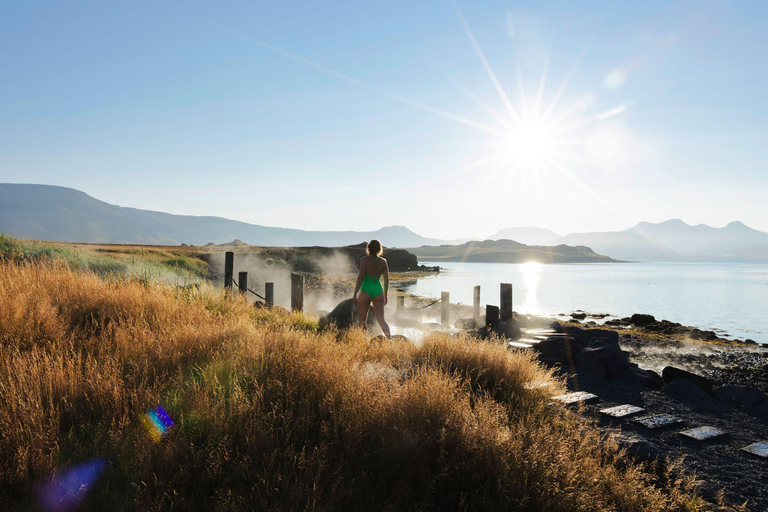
(527, 236)
(674, 240)
(507, 251)
(46, 212)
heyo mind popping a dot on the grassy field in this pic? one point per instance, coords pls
(270, 412)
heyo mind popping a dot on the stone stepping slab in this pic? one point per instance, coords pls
(703, 433)
(579, 397)
(660, 421)
(521, 344)
(622, 411)
(760, 449)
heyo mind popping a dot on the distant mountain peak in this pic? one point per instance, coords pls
(737, 224)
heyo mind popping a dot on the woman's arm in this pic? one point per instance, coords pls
(360, 276)
(386, 281)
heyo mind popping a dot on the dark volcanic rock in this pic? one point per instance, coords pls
(747, 396)
(593, 337)
(578, 316)
(686, 391)
(671, 373)
(641, 320)
(344, 315)
(602, 356)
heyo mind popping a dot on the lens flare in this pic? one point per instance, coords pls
(157, 422)
(68, 487)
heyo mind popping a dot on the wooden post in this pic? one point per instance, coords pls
(297, 291)
(505, 312)
(269, 294)
(400, 303)
(445, 303)
(229, 270)
(242, 282)
(491, 317)
(476, 305)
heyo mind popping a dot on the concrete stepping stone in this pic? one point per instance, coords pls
(522, 344)
(760, 449)
(703, 433)
(660, 421)
(622, 411)
(579, 397)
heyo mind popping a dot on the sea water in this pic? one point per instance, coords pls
(727, 297)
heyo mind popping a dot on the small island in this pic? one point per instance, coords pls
(509, 251)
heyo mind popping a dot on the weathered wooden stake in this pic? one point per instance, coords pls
(476, 305)
(505, 312)
(297, 291)
(242, 282)
(229, 270)
(400, 302)
(491, 317)
(269, 294)
(445, 302)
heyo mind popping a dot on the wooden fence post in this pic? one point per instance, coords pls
(229, 270)
(491, 317)
(242, 282)
(476, 305)
(505, 312)
(269, 294)
(445, 304)
(297, 291)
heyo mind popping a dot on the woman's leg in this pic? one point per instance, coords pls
(363, 305)
(378, 310)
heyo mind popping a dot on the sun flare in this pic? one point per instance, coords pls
(532, 144)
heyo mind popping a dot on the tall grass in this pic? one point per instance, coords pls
(272, 413)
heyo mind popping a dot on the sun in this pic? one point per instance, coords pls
(532, 144)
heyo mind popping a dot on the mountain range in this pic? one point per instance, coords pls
(46, 212)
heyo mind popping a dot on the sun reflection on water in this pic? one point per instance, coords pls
(530, 272)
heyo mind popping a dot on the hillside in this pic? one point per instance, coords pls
(508, 251)
(45, 212)
(134, 395)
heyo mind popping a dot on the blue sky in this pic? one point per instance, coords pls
(357, 115)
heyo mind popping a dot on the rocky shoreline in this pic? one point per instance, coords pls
(698, 377)
(714, 383)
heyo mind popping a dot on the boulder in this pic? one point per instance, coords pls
(554, 354)
(601, 356)
(670, 373)
(686, 391)
(344, 315)
(578, 316)
(567, 344)
(747, 396)
(647, 378)
(640, 320)
(556, 326)
(698, 334)
(593, 337)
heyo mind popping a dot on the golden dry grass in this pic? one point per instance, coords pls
(274, 414)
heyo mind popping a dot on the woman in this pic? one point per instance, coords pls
(372, 267)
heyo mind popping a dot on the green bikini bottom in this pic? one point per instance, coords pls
(372, 286)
